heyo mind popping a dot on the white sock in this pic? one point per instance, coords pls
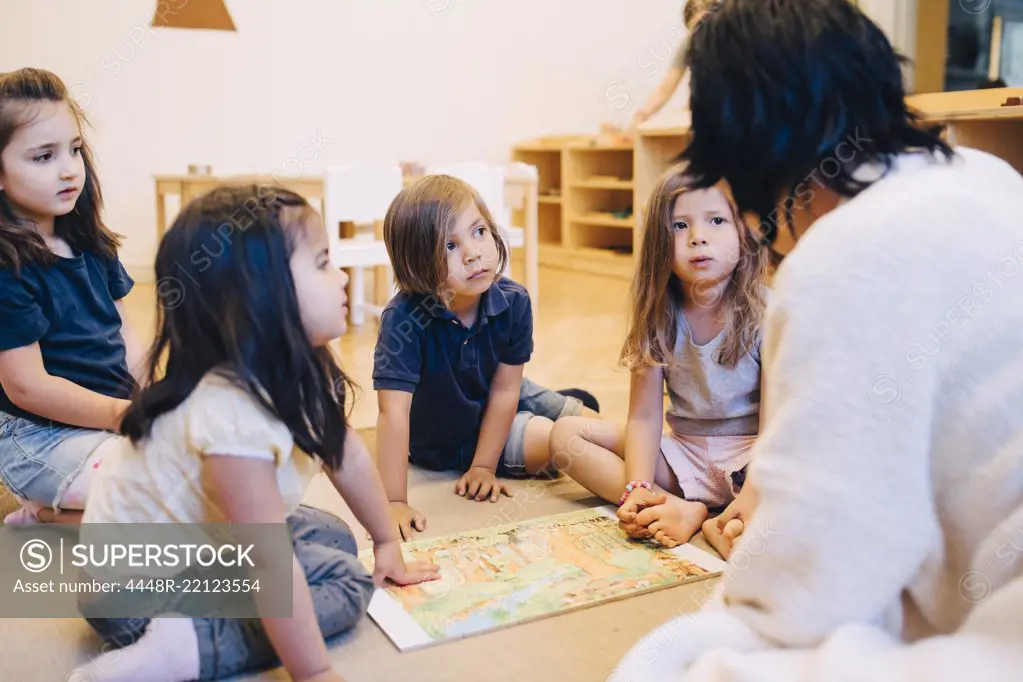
(24, 516)
(167, 652)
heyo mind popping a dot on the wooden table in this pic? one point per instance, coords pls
(522, 195)
(188, 187)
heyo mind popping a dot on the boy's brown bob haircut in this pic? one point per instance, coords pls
(417, 225)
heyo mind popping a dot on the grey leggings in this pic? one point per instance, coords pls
(340, 585)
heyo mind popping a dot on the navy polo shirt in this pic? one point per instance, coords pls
(424, 349)
(68, 308)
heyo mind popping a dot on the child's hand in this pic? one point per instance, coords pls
(638, 500)
(389, 563)
(407, 518)
(478, 483)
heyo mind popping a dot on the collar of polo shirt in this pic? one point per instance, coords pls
(493, 299)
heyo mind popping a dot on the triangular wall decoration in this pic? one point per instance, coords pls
(208, 14)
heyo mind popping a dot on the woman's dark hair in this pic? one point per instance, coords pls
(788, 95)
(228, 305)
(20, 94)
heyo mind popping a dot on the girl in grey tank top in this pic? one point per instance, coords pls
(694, 333)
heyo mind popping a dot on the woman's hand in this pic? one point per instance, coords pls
(722, 532)
(390, 564)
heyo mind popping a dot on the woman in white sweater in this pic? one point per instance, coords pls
(884, 526)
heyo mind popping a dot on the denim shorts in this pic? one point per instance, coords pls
(340, 586)
(39, 461)
(534, 401)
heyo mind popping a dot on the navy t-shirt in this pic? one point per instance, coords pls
(424, 349)
(68, 307)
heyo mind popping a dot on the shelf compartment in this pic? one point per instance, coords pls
(598, 205)
(548, 165)
(603, 184)
(610, 237)
(549, 230)
(601, 219)
(584, 163)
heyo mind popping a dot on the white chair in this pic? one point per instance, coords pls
(491, 183)
(360, 194)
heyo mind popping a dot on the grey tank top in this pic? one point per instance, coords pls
(708, 399)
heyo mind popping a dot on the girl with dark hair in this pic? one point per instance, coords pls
(244, 405)
(66, 350)
(886, 485)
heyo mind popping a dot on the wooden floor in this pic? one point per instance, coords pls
(577, 339)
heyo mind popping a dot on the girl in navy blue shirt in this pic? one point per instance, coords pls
(64, 363)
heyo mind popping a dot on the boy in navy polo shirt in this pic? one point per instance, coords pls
(449, 356)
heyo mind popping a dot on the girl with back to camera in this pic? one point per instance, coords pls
(66, 349)
(698, 299)
(249, 409)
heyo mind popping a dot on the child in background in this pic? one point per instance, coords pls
(66, 349)
(450, 351)
(249, 409)
(692, 12)
(698, 300)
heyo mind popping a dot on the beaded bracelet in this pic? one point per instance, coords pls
(632, 486)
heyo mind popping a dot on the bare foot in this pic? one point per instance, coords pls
(675, 522)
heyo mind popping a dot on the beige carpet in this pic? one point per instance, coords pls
(8, 502)
(580, 646)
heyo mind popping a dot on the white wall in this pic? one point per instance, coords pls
(897, 18)
(308, 83)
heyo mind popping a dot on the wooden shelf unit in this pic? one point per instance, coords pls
(657, 146)
(586, 194)
(594, 181)
(973, 118)
(977, 119)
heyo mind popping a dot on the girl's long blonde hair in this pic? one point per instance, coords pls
(658, 295)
